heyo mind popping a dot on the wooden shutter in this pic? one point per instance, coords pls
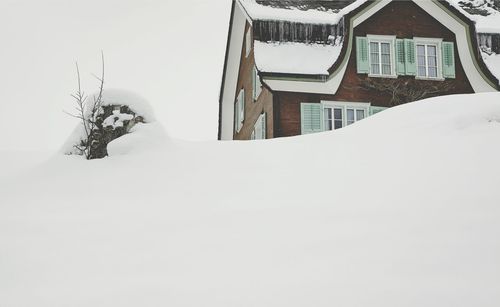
(374, 110)
(400, 57)
(311, 118)
(363, 65)
(410, 57)
(448, 55)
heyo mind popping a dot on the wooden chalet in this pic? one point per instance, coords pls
(295, 67)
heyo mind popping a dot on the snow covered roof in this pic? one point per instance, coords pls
(295, 58)
(482, 12)
(301, 11)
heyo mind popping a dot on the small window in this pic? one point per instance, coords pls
(381, 56)
(338, 116)
(259, 129)
(239, 111)
(257, 85)
(427, 60)
(248, 42)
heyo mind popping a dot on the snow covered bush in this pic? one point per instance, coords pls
(110, 114)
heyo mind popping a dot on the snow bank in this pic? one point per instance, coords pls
(258, 11)
(142, 138)
(297, 58)
(399, 209)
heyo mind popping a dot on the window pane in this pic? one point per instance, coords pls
(431, 50)
(420, 50)
(421, 61)
(432, 61)
(386, 48)
(386, 69)
(337, 114)
(374, 47)
(433, 72)
(386, 59)
(375, 69)
(328, 113)
(360, 114)
(328, 119)
(350, 114)
(421, 71)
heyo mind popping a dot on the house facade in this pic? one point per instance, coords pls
(292, 70)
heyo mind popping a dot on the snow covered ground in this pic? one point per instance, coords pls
(400, 209)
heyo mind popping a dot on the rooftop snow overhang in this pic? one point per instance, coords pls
(299, 11)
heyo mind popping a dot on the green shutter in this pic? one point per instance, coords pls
(410, 58)
(363, 65)
(400, 57)
(374, 110)
(448, 54)
(311, 118)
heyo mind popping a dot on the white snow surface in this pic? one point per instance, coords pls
(493, 63)
(399, 209)
(297, 58)
(257, 11)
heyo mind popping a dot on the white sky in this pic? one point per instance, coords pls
(170, 52)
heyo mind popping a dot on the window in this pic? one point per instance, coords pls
(259, 129)
(381, 50)
(338, 115)
(257, 85)
(427, 61)
(332, 115)
(380, 58)
(428, 58)
(389, 57)
(239, 111)
(248, 42)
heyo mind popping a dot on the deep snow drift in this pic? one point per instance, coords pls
(400, 209)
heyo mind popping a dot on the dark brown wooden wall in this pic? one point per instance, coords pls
(253, 109)
(401, 18)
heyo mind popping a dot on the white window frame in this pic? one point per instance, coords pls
(257, 85)
(262, 122)
(239, 111)
(365, 106)
(426, 41)
(391, 39)
(248, 41)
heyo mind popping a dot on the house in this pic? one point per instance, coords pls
(295, 67)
